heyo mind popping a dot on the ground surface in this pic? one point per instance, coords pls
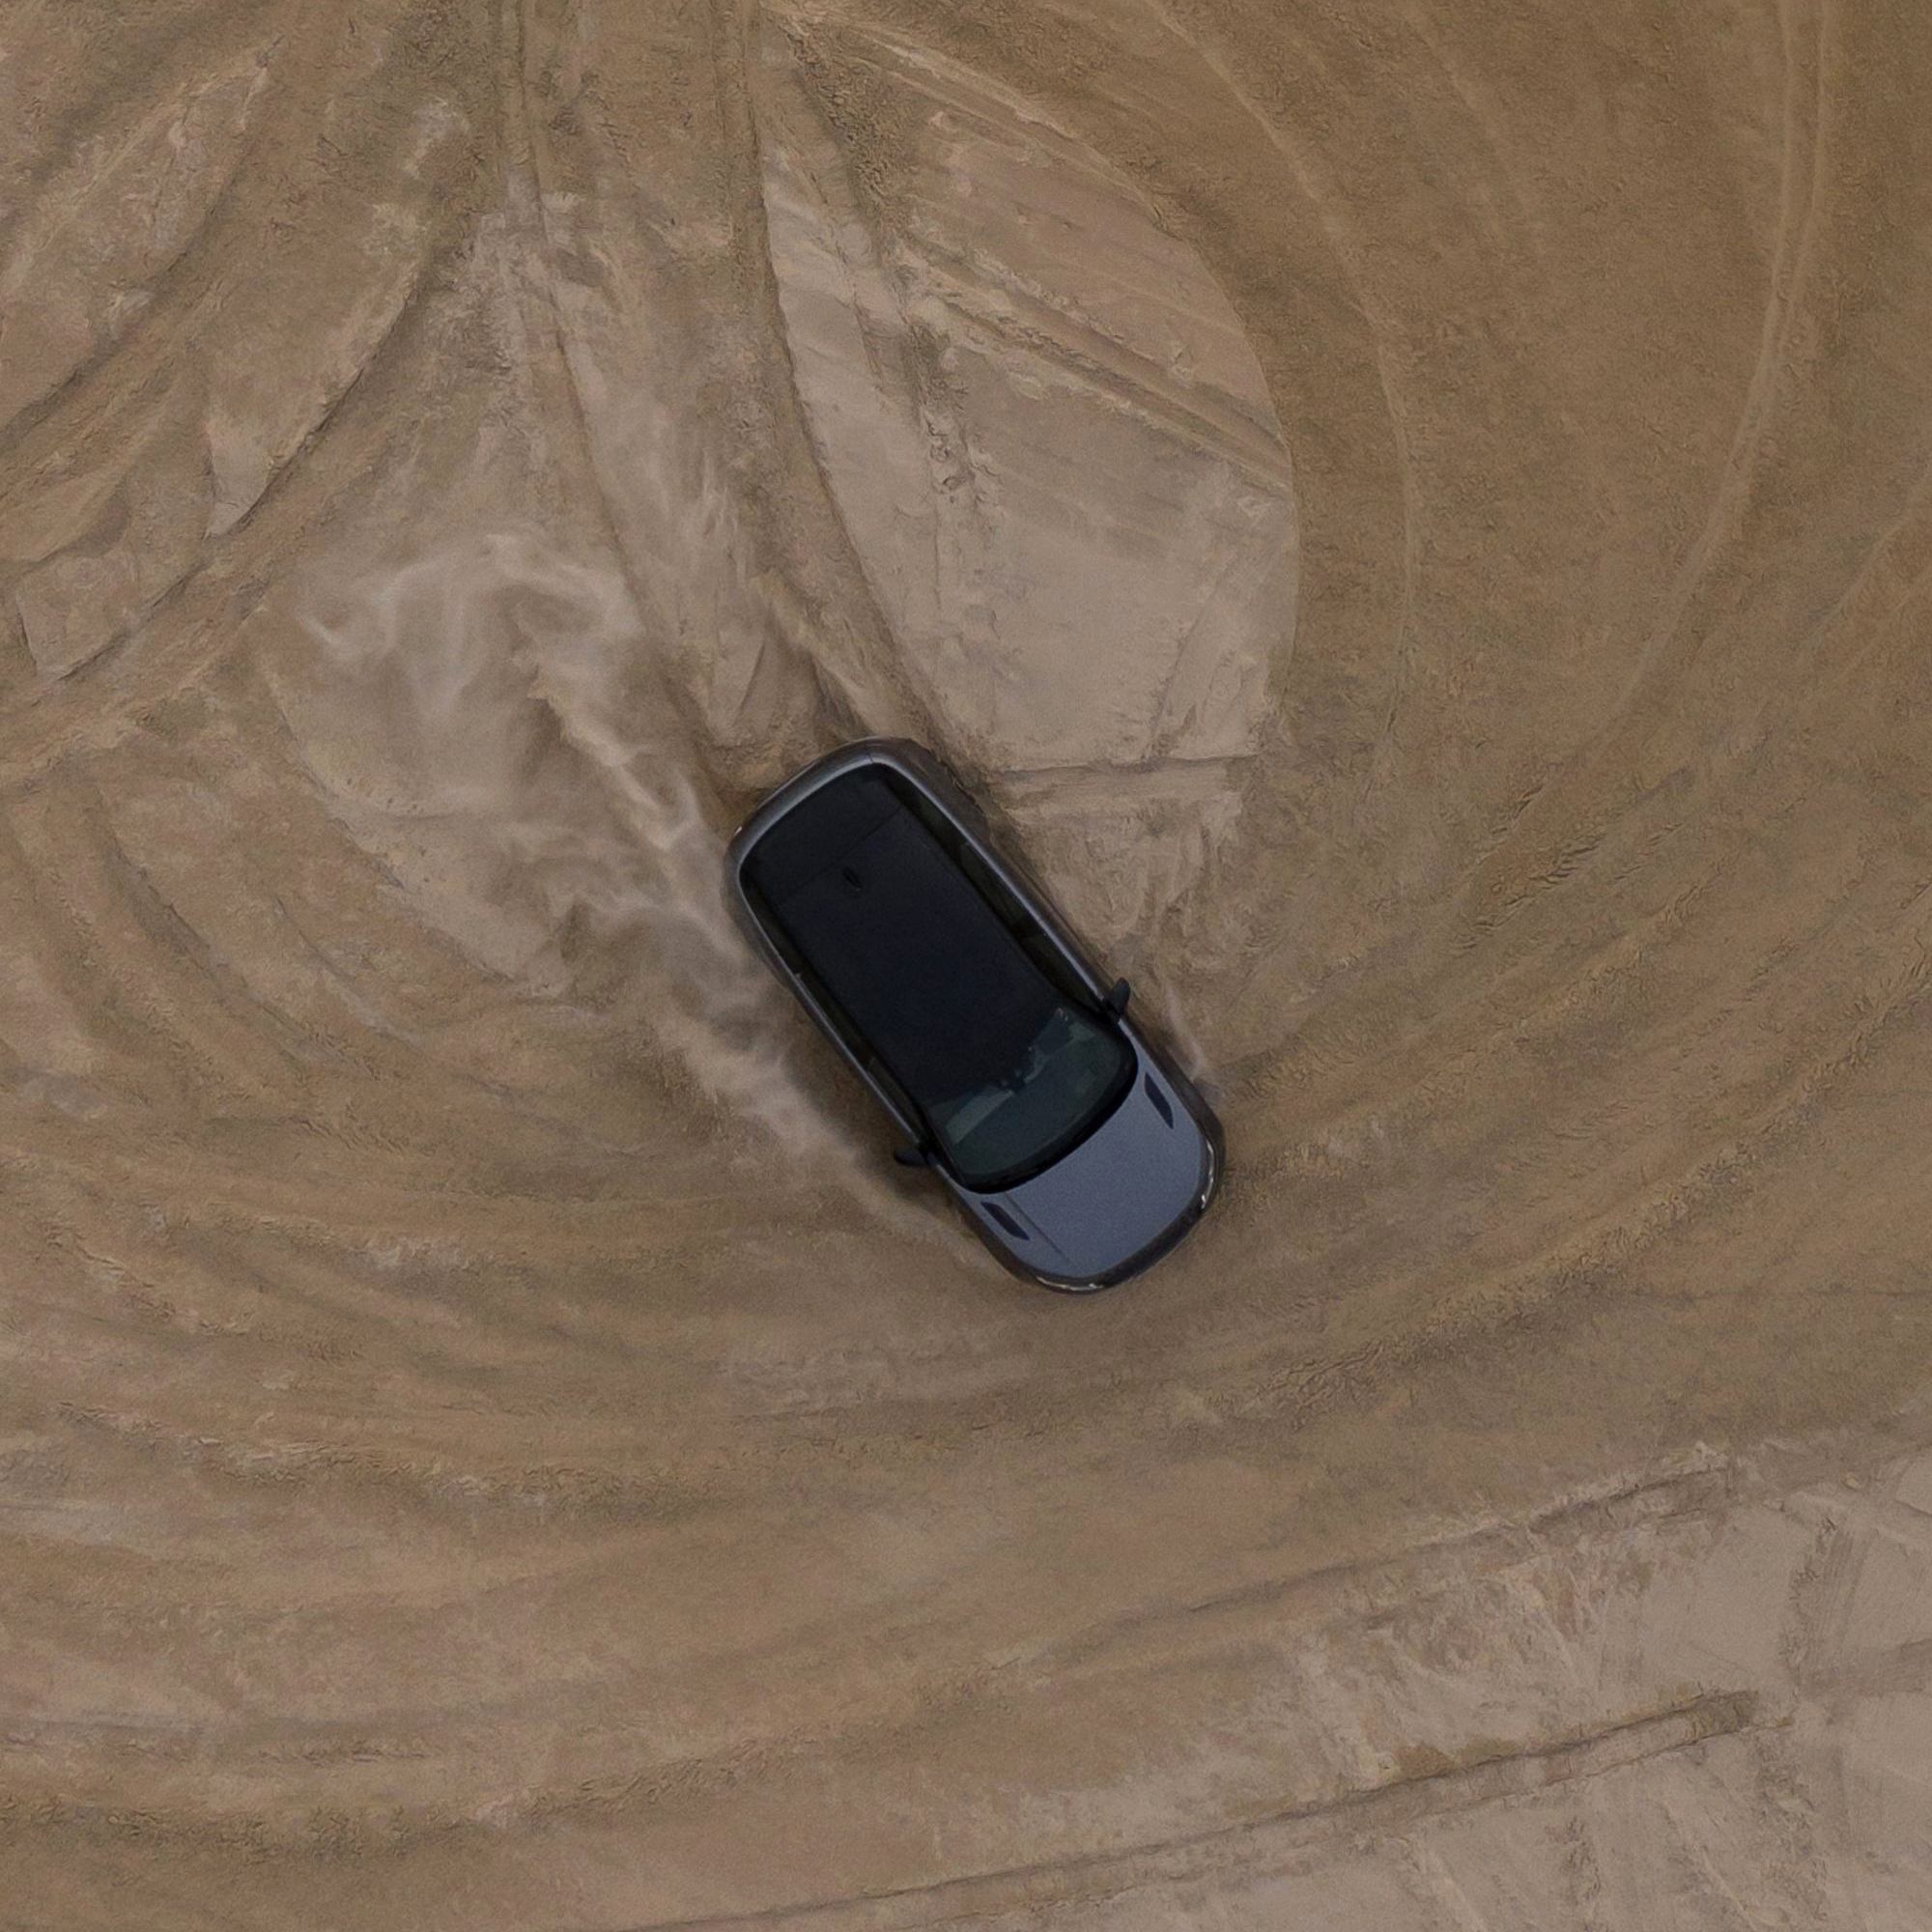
(1419, 515)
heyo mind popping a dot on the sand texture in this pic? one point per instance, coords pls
(1417, 516)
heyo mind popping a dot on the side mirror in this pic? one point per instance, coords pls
(1117, 998)
(913, 1155)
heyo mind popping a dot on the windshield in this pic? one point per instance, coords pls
(933, 987)
(1042, 1102)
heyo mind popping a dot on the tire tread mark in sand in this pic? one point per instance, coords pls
(1392, 1049)
(1604, 1245)
(1622, 1231)
(1431, 1870)
(1805, 153)
(927, 397)
(1395, 407)
(1491, 119)
(1895, 569)
(1134, 382)
(72, 712)
(738, 25)
(886, 700)
(1259, 1844)
(1819, 1650)
(115, 650)
(621, 1790)
(151, 970)
(1651, 1209)
(528, 149)
(430, 1481)
(1669, 914)
(1189, 663)
(456, 1210)
(1370, 1586)
(531, 148)
(1581, 791)
(161, 284)
(140, 355)
(1818, 1614)
(105, 105)
(1239, 433)
(887, 666)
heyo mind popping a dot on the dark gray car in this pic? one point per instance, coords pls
(1078, 1150)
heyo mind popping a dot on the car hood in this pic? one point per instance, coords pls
(1121, 1189)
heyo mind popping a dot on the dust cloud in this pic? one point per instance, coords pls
(1418, 523)
(484, 719)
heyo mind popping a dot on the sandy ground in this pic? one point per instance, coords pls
(1420, 517)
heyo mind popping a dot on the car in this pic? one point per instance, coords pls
(872, 884)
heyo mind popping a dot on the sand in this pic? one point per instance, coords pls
(1417, 518)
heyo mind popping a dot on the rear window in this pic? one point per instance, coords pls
(1005, 1064)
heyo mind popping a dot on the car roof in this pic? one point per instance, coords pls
(888, 925)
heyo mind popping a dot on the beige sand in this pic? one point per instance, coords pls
(1419, 514)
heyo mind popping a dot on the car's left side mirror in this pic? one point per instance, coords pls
(1118, 996)
(913, 1155)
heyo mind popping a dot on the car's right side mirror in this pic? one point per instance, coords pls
(1117, 998)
